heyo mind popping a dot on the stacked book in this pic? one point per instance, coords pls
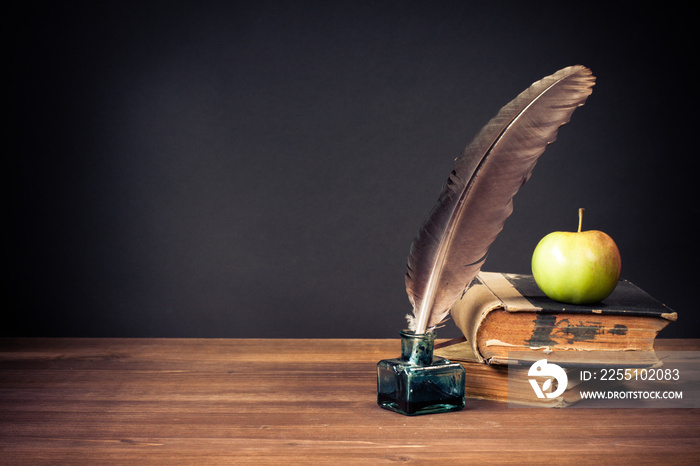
(509, 324)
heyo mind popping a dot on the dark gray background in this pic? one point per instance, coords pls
(259, 169)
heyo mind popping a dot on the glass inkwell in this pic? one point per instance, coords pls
(418, 382)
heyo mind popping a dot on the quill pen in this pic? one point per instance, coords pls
(477, 197)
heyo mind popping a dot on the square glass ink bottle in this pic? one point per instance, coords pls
(418, 382)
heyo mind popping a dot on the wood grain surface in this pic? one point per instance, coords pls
(214, 401)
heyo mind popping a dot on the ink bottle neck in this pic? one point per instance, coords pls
(417, 349)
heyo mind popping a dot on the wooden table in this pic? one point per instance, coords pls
(204, 401)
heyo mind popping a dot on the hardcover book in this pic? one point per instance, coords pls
(501, 313)
(492, 381)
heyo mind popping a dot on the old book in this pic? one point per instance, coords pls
(512, 383)
(492, 382)
(501, 314)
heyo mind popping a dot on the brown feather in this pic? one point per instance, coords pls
(477, 198)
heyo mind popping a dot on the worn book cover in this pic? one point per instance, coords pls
(501, 313)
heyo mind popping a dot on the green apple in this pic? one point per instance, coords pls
(580, 267)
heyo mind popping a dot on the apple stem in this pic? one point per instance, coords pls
(580, 219)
